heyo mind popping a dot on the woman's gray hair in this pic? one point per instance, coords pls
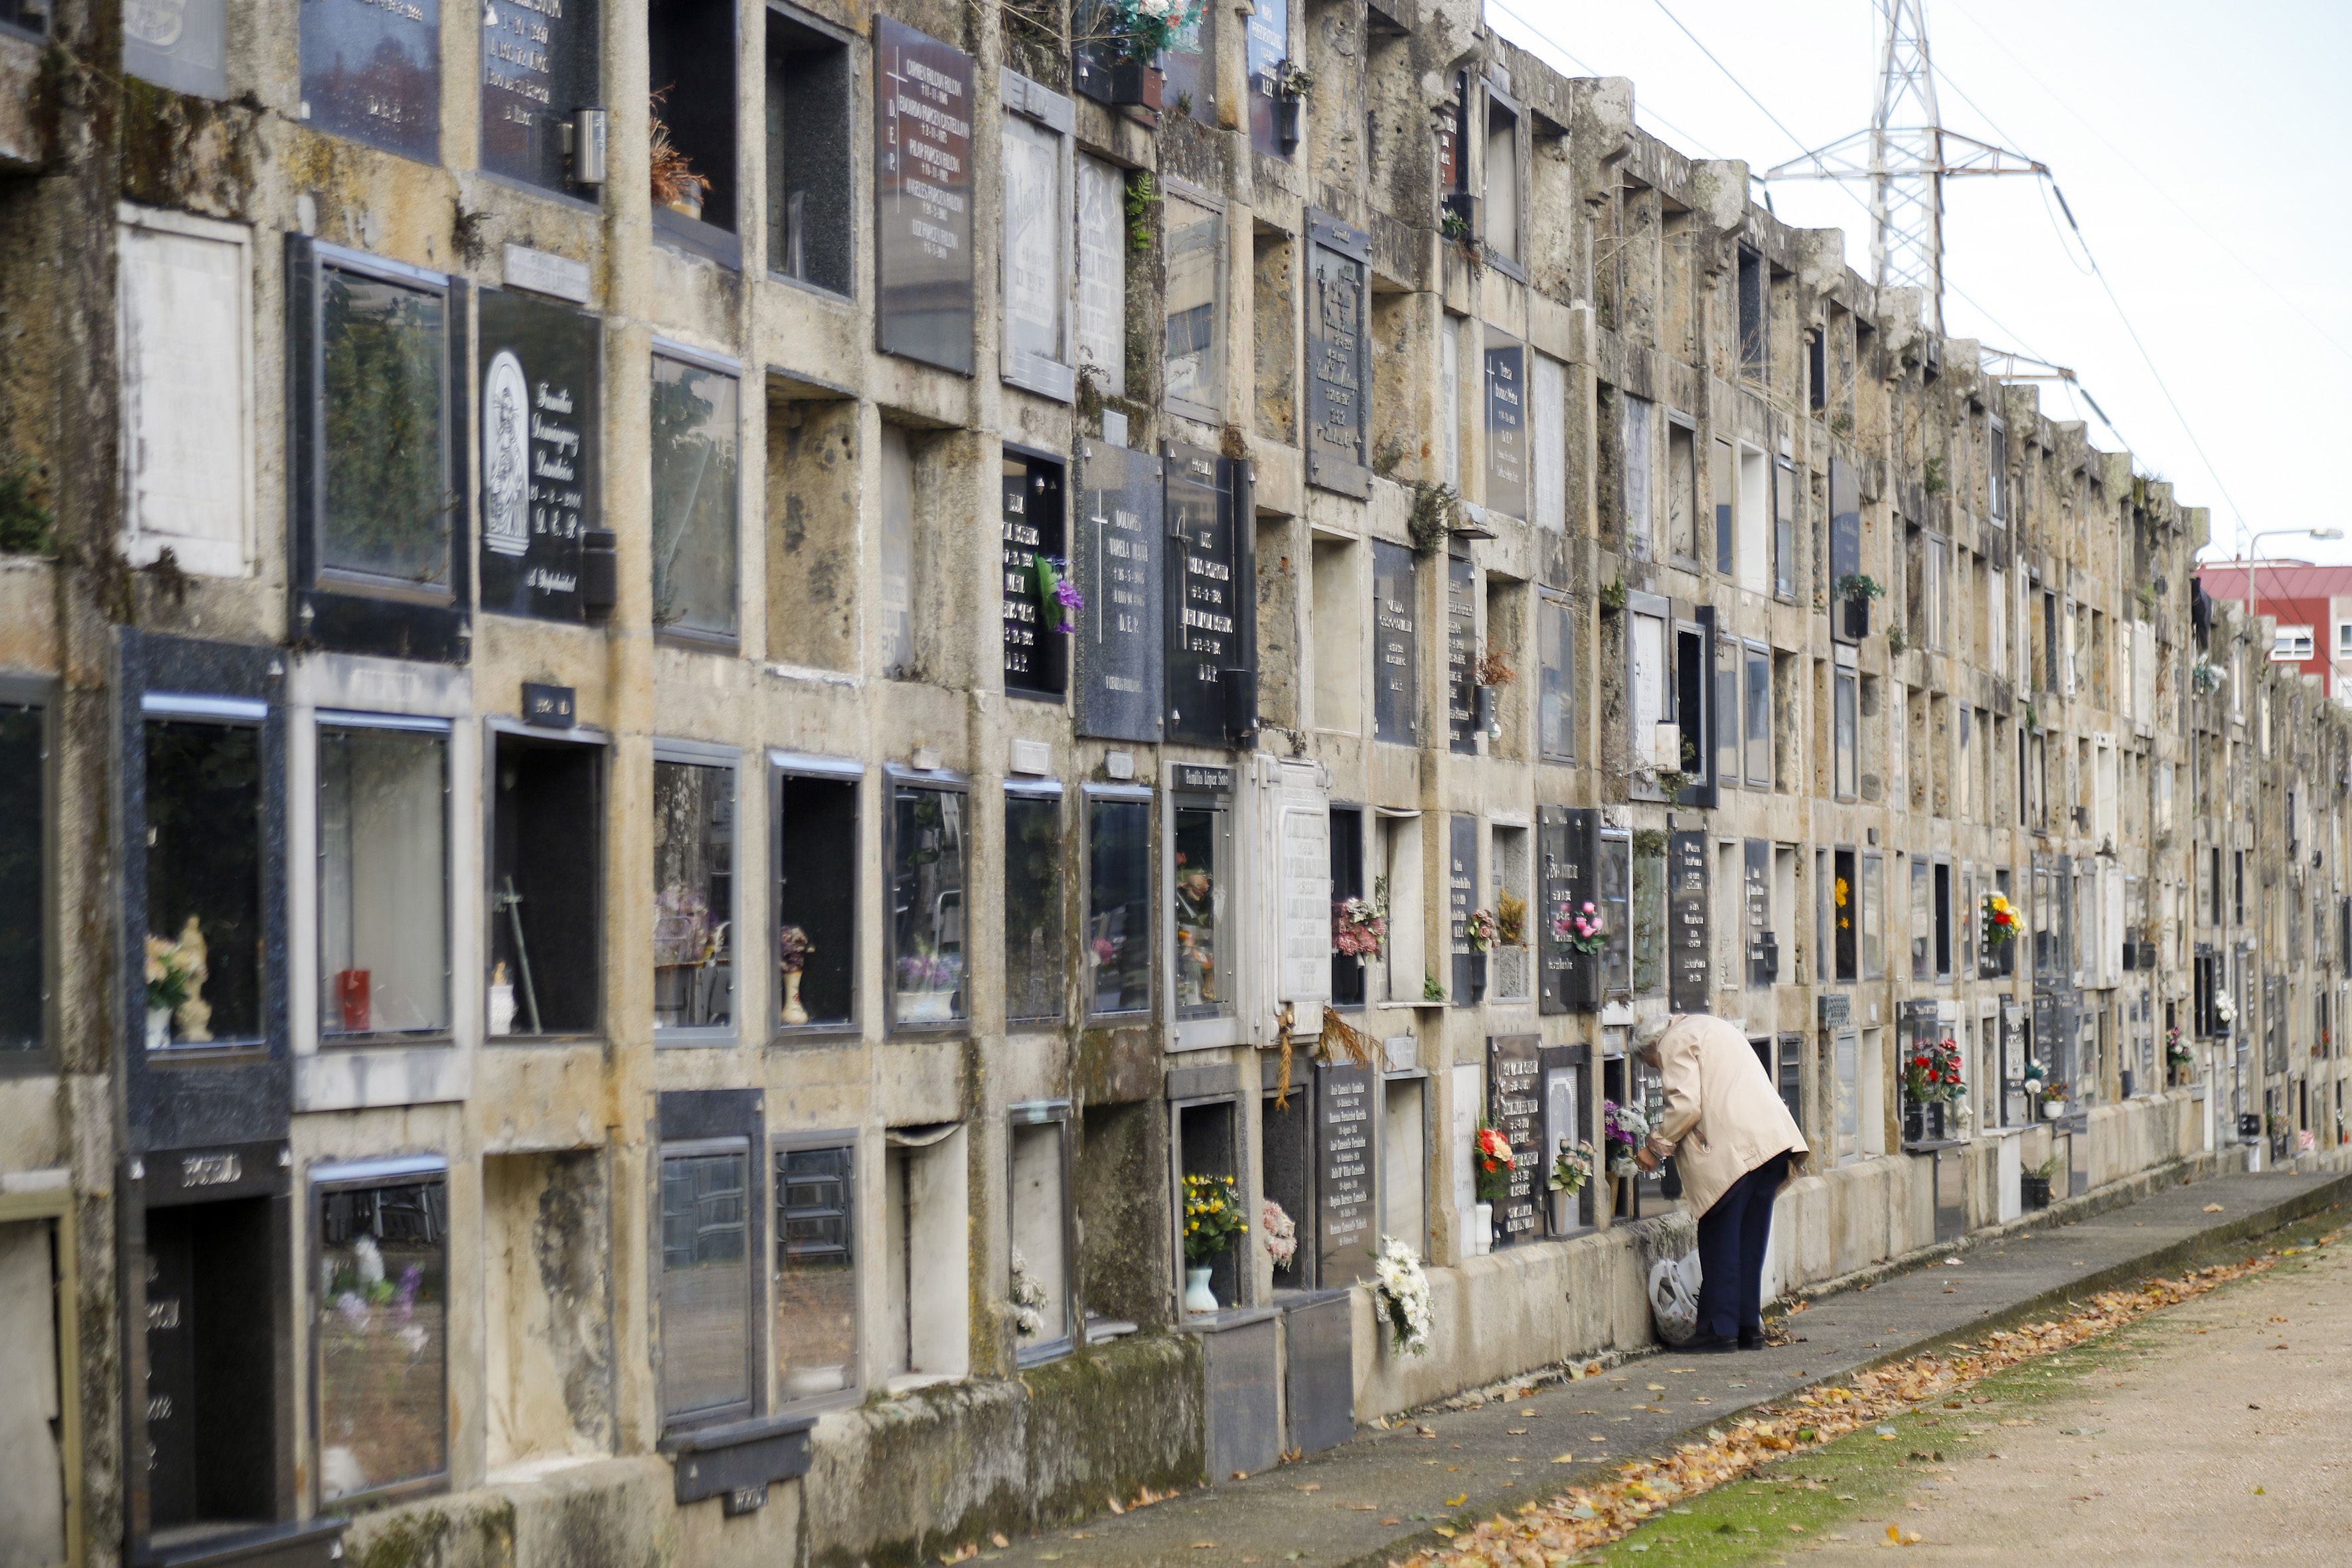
(1647, 1033)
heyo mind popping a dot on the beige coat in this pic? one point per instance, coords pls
(1722, 1115)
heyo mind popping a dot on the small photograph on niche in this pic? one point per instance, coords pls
(371, 73)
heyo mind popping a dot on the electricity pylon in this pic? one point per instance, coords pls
(1904, 157)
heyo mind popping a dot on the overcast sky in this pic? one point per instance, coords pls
(2192, 140)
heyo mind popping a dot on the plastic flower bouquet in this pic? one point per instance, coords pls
(1401, 1286)
(1572, 1166)
(1279, 1231)
(1581, 929)
(1494, 1163)
(1626, 1128)
(1213, 1217)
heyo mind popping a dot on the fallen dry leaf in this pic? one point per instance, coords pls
(1309, 1486)
(1458, 1501)
(999, 1541)
(1563, 1527)
(2212, 1208)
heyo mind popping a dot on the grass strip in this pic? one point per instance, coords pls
(1831, 1445)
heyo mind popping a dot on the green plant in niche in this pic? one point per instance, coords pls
(1142, 195)
(1612, 596)
(1859, 586)
(1931, 476)
(1671, 781)
(1897, 639)
(1184, 105)
(2032, 721)
(1649, 841)
(1841, 424)
(27, 524)
(1430, 991)
(1455, 226)
(1432, 518)
(1388, 459)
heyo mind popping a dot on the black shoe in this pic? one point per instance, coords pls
(1705, 1344)
(1748, 1341)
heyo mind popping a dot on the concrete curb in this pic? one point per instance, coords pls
(2223, 1237)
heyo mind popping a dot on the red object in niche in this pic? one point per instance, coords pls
(352, 997)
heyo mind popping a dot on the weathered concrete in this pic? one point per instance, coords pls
(1490, 1450)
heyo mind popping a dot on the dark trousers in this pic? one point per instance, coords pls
(1732, 1236)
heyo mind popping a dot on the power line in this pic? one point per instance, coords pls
(1561, 49)
(2152, 183)
(1735, 81)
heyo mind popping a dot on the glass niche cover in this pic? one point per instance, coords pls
(384, 893)
(1203, 861)
(926, 905)
(204, 945)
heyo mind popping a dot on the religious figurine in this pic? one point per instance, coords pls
(195, 1014)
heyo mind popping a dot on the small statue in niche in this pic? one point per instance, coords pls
(195, 1014)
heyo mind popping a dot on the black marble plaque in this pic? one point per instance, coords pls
(1396, 646)
(1347, 1187)
(1339, 359)
(540, 63)
(371, 73)
(1204, 598)
(1036, 652)
(1117, 557)
(1461, 656)
(1514, 1109)
(1506, 430)
(923, 190)
(1686, 922)
(541, 421)
(1565, 882)
(1461, 898)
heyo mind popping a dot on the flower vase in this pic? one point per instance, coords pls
(159, 1028)
(1198, 1297)
(1482, 1231)
(2052, 1110)
(794, 1012)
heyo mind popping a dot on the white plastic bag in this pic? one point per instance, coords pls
(1673, 1298)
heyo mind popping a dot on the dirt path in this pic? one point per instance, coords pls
(2210, 1433)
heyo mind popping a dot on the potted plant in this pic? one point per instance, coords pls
(792, 950)
(1212, 1219)
(2033, 1182)
(1402, 1287)
(1119, 42)
(2054, 1096)
(1492, 1165)
(676, 185)
(1858, 589)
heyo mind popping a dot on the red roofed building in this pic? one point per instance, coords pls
(2313, 607)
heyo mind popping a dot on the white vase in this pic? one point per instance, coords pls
(2052, 1110)
(503, 1008)
(794, 1012)
(1482, 1231)
(1198, 1297)
(159, 1028)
